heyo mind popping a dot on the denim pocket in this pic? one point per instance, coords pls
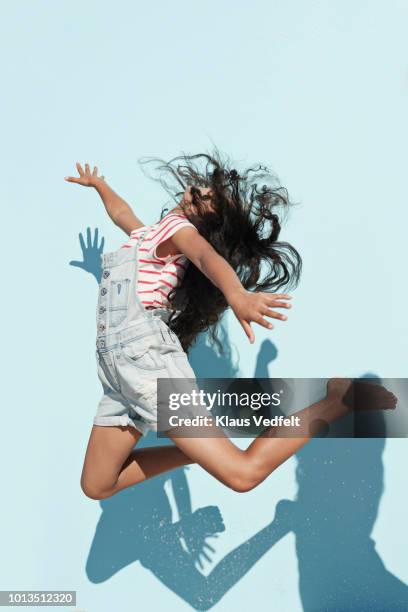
(118, 301)
(141, 355)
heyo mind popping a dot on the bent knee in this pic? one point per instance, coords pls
(94, 490)
(240, 485)
(243, 482)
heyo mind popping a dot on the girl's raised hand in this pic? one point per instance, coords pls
(85, 178)
(251, 307)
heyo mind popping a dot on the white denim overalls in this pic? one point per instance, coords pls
(134, 347)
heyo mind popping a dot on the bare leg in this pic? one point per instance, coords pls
(111, 462)
(242, 470)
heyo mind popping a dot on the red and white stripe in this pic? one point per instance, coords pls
(157, 276)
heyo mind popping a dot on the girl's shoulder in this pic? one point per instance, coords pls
(173, 214)
(172, 221)
(163, 229)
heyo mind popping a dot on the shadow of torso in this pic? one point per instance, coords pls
(340, 487)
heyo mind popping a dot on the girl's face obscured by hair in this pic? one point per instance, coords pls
(187, 199)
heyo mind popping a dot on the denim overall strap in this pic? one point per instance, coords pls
(118, 303)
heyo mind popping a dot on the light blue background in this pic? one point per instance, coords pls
(318, 91)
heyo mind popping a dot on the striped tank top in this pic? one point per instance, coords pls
(157, 276)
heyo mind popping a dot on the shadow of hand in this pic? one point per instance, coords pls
(91, 254)
(268, 352)
(197, 528)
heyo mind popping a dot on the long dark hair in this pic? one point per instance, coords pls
(243, 226)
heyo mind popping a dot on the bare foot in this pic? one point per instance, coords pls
(360, 395)
(369, 396)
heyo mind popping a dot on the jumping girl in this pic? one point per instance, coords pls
(217, 248)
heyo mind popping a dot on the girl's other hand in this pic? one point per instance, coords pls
(85, 178)
(251, 307)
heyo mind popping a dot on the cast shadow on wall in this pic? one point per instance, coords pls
(138, 523)
(340, 484)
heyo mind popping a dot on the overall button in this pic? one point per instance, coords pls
(102, 309)
(102, 327)
(106, 273)
(104, 291)
(101, 343)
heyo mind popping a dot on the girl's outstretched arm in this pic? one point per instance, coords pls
(119, 211)
(247, 306)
